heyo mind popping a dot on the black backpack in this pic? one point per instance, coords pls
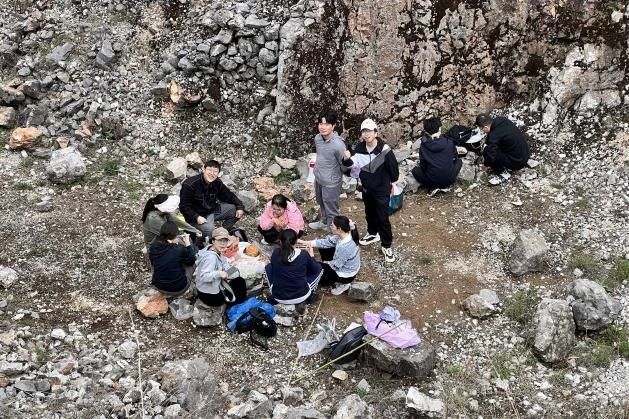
(350, 340)
(460, 134)
(259, 322)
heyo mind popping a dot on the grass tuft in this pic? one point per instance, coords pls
(522, 305)
(111, 167)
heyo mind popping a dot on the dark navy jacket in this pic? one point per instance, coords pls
(379, 167)
(504, 137)
(438, 160)
(201, 198)
(289, 281)
(168, 262)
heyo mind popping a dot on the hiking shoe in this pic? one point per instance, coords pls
(369, 238)
(389, 257)
(318, 225)
(495, 180)
(339, 289)
(436, 191)
(264, 242)
(300, 308)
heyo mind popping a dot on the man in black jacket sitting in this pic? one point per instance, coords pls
(505, 147)
(205, 199)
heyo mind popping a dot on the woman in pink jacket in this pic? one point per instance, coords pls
(280, 214)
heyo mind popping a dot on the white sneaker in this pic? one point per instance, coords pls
(318, 225)
(369, 238)
(495, 180)
(339, 289)
(389, 257)
(264, 242)
(436, 191)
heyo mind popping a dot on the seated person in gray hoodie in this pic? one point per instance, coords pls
(439, 164)
(214, 269)
(345, 263)
(172, 261)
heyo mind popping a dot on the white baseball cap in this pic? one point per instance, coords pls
(169, 205)
(369, 124)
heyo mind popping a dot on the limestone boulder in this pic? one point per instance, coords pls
(8, 117)
(592, 307)
(207, 316)
(353, 407)
(150, 303)
(24, 138)
(529, 253)
(66, 166)
(415, 362)
(191, 382)
(551, 331)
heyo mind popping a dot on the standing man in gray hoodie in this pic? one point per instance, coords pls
(328, 170)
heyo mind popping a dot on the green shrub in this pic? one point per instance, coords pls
(595, 353)
(621, 271)
(501, 365)
(616, 337)
(586, 263)
(286, 176)
(522, 305)
(111, 167)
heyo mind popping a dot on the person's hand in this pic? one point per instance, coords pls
(310, 251)
(302, 244)
(201, 220)
(239, 213)
(223, 274)
(186, 239)
(347, 155)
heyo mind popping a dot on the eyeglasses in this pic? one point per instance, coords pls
(212, 171)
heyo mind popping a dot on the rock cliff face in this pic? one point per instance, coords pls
(401, 60)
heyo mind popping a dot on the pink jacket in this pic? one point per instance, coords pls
(295, 219)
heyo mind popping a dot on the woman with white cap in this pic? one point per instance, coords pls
(157, 211)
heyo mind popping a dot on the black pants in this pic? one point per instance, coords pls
(273, 236)
(504, 161)
(239, 285)
(377, 214)
(329, 277)
(446, 181)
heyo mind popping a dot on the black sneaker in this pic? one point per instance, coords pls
(300, 308)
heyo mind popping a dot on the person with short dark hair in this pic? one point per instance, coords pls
(279, 214)
(205, 199)
(373, 161)
(213, 269)
(439, 164)
(328, 170)
(157, 211)
(171, 261)
(505, 147)
(344, 265)
(293, 274)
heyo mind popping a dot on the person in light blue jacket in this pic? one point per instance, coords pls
(345, 264)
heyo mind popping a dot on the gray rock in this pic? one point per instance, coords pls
(207, 316)
(410, 184)
(25, 385)
(12, 368)
(424, 405)
(267, 57)
(361, 291)
(401, 155)
(44, 206)
(249, 199)
(8, 117)
(65, 166)
(286, 310)
(281, 411)
(217, 50)
(173, 411)
(60, 53)
(37, 115)
(31, 88)
(181, 309)
(176, 169)
(274, 170)
(252, 21)
(105, 55)
(209, 104)
(245, 47)
(288, 164)
(58, 334)
(592, 307)
(348, 185)
(162, 89)
(292, 395)
(186, 65)
(353, 407)
(529, 253)
(363, 386)
(551, 331)
(490, 296)
(415, 362)
(128, 349)
(191, 382)
(8, 276)
(477, 306)
(224, 36)
(302, 190)
(467, 172)
(257, 406)
(227, 63)
(10, 96)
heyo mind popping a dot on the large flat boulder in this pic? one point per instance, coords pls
(415, 362)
